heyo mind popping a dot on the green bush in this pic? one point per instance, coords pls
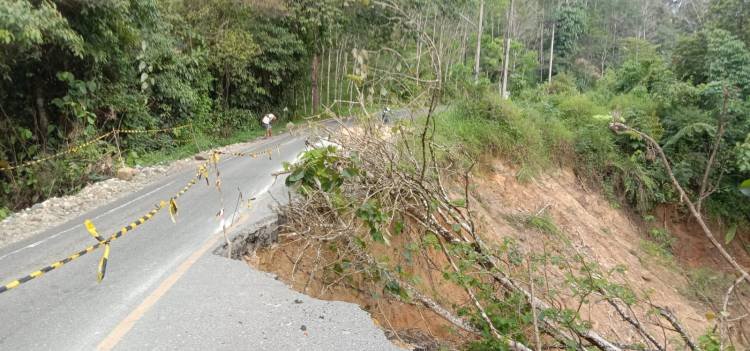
(489, 126)
(578, 109)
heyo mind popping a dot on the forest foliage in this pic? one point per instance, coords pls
(677, 70)
(536, 83)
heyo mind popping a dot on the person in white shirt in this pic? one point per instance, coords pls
(267, 120)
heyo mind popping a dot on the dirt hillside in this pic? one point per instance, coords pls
(552, 216)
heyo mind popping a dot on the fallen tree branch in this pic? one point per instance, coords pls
(637, 325)
(669, 316)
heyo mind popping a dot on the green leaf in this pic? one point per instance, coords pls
(431, 240)
(296, 176)
(730, 234)
(690, 131)
(459, 202)
(456, 227)
(377, 236)
(398, 227)
(349, 172)
(745, 187)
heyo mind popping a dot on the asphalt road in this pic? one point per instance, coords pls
(164, 289)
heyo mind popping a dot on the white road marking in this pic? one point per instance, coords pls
(79, 225)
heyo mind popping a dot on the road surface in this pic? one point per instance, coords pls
(164, 289)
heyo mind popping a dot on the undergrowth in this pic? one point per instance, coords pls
(548, 127)
(542, 131)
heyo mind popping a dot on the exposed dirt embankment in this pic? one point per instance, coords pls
(693, 249)
(574, 238)
(606, 235)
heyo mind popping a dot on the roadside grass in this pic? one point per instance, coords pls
(205, 142)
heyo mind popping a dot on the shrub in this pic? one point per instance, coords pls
(491, 126)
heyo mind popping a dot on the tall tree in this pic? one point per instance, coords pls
(551, 53)
(506, 59)
(316, 21)
(732, 16)
(478, 54)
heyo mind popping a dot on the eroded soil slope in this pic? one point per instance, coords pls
(555, 217)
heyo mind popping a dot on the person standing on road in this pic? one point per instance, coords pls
(267, 120)
(385, 117)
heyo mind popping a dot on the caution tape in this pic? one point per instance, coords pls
(101, 242)
(71, 150)
(73, 257)
(138, 131)
(255, 154)
(171, 204)
(77, 148)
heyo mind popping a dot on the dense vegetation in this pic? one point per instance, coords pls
(676, 70)
(534, 82)
(684, 84)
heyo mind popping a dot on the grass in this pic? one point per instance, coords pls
(489, 127)
(659, 246)
(188, 147)
(543, 223)
(206, 142)
(706, 285)
(659, 254)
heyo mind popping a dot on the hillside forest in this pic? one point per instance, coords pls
(537, 83)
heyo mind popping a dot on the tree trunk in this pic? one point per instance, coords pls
(336, 79)
(304, 103)
(704, 192)
(551, 53)
(344, 72)
(41, 113)
(504, 87)
(478, 54)
(419, 45)
(463, 46)
(328, 79)
(541, 49)
(226, 85)
(315, 101)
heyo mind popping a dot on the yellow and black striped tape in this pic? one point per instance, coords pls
(102, 268)
(78, 254)
(101, 271)
(137, 131)
(77, 148)
(71, 150)
(254, 154)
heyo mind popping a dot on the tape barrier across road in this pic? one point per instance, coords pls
(101, 271)
(269, 151)
(71, 150)
(76, 148)
(136, 131)
(171, 204)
